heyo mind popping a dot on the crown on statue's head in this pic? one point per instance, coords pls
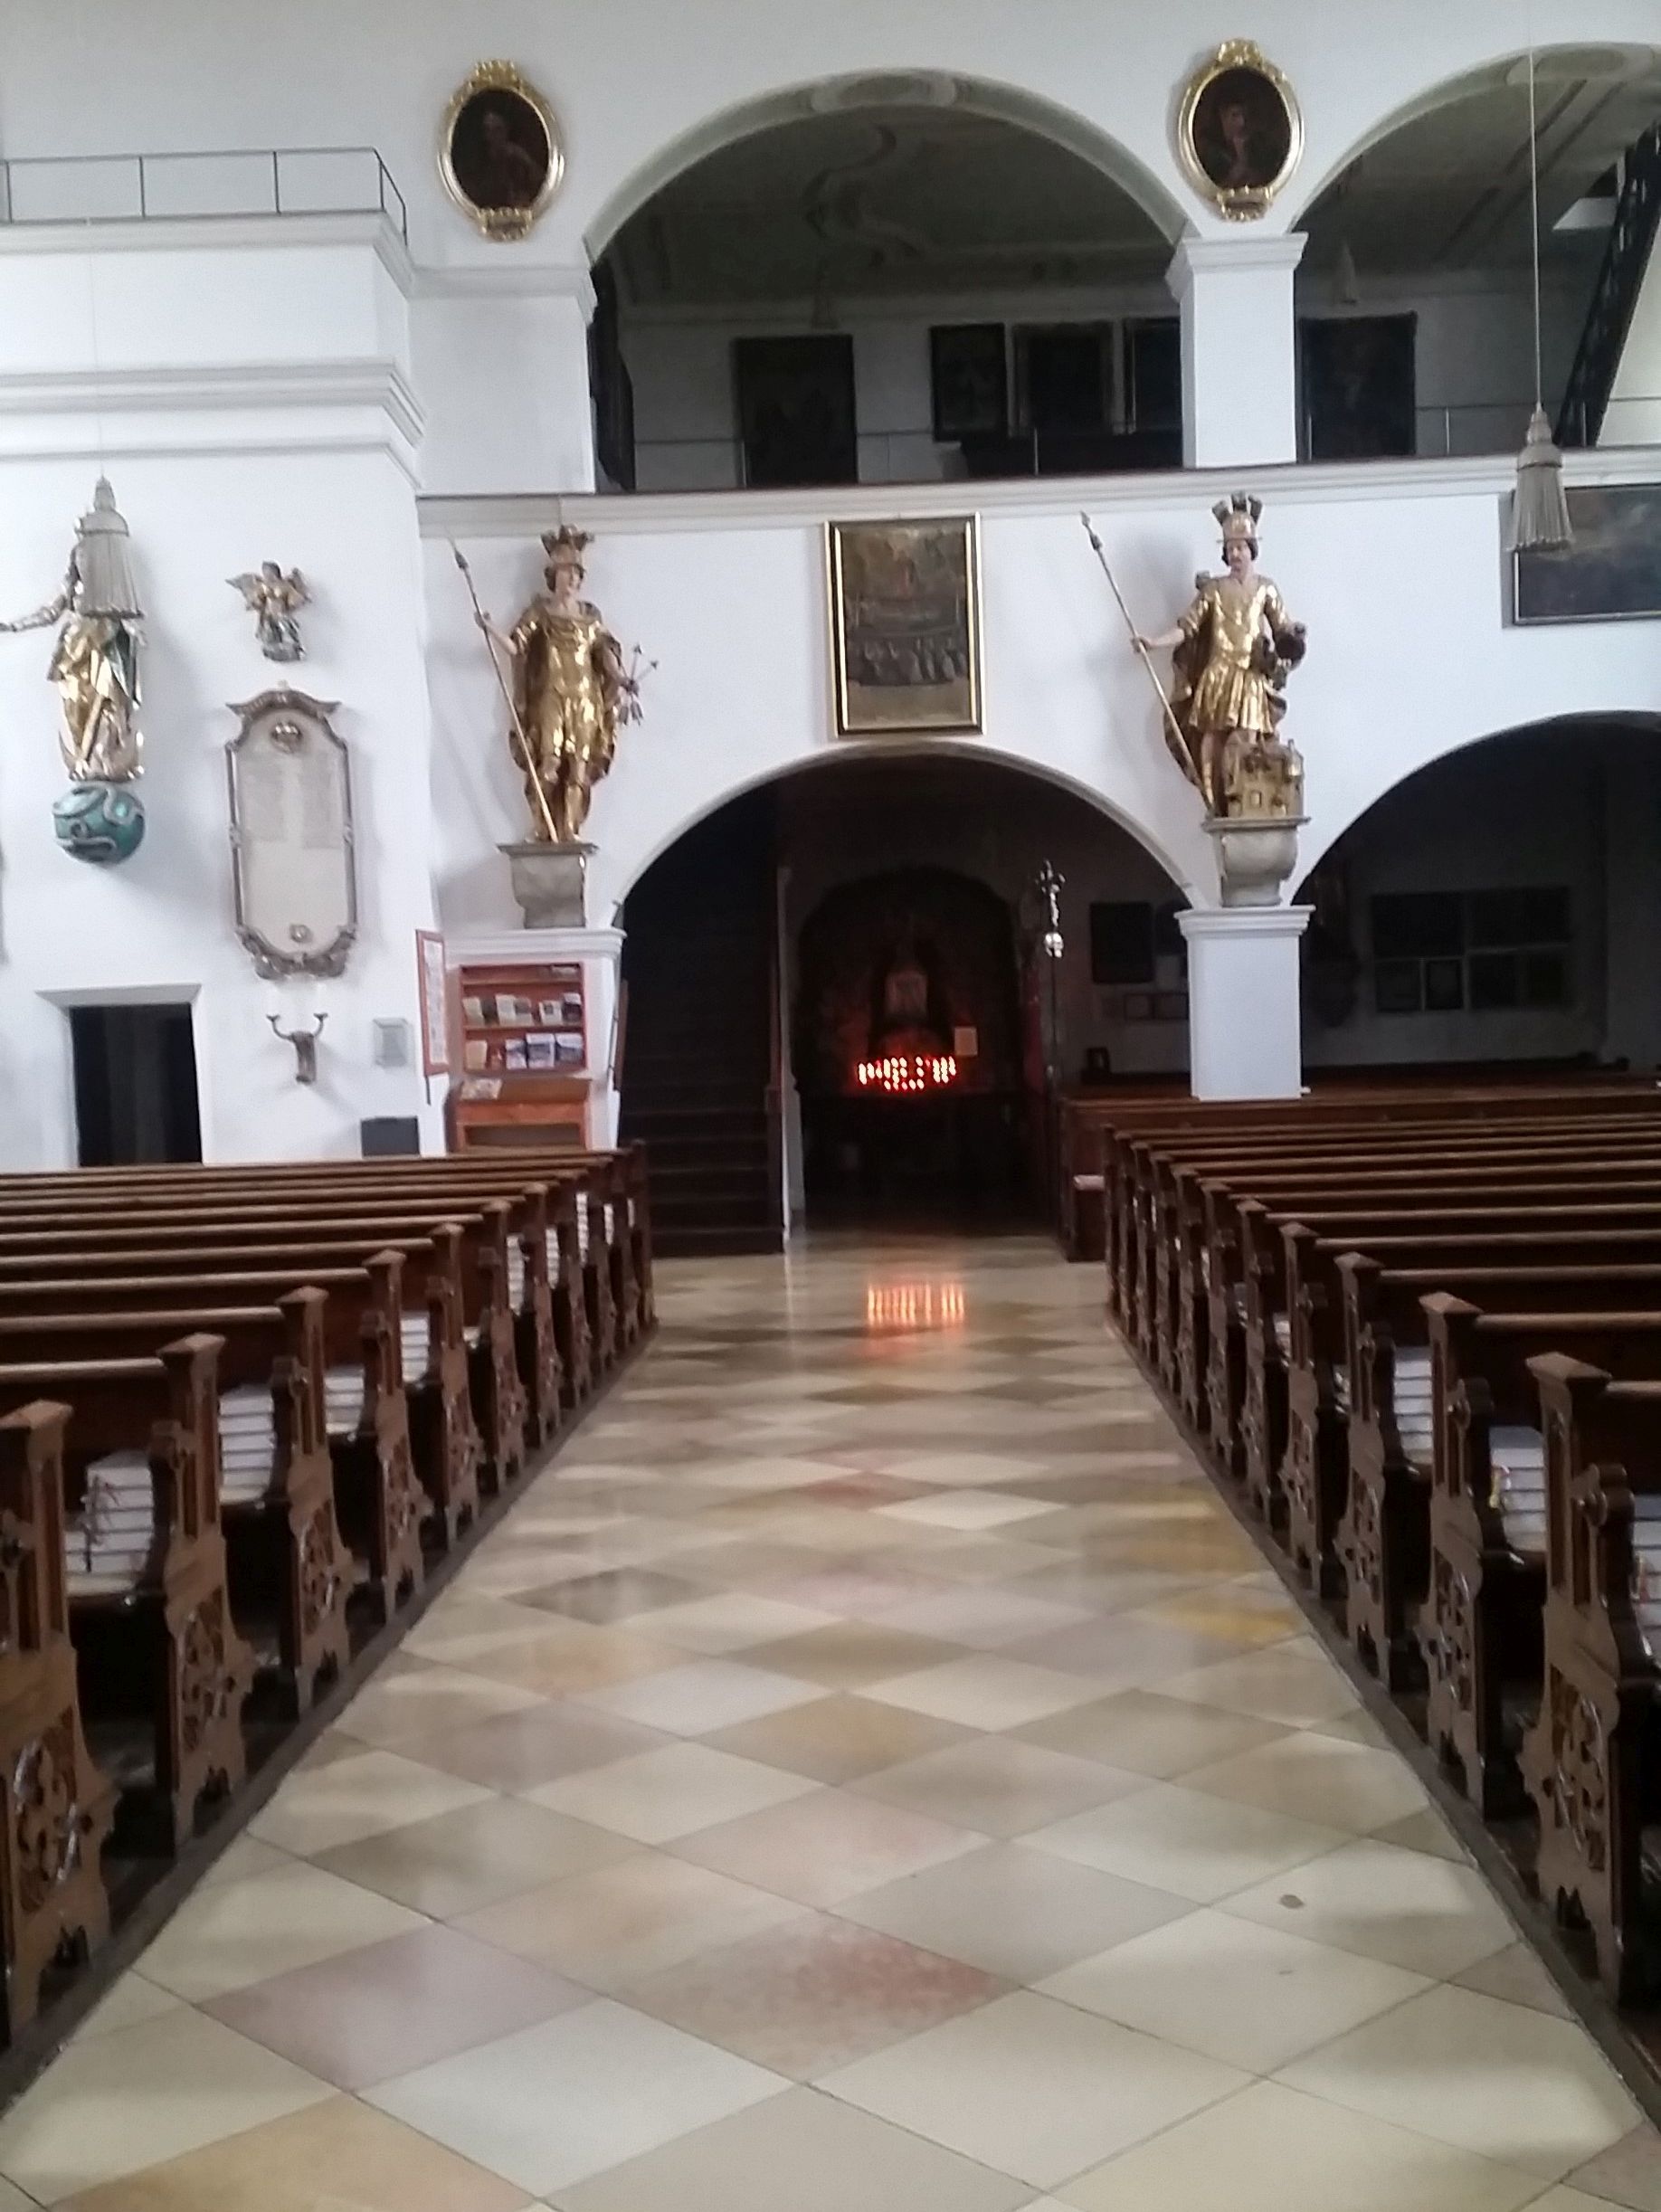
(1237, 516)
(565, 546)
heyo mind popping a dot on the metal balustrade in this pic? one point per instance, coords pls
(310, 180)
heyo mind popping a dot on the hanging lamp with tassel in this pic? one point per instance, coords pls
(1540, 514)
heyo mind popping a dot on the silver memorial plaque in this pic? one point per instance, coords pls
(292, 842)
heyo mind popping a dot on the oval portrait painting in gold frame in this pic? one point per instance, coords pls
(1240, 133)
(500, 151)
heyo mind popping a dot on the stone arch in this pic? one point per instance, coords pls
(976, 750)
(1620, 59)
(983, 97)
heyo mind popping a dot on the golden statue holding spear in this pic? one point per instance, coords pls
(1232, 650)
(570, 693)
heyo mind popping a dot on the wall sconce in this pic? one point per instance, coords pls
(305, 1043)
(1050, 886)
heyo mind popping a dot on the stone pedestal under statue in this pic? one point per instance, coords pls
(550, 882)
(1245, 1030)
(1256, 854)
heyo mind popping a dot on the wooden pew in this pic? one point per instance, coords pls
(1315, 1470)
(1383, 1538)
(148, 1607)
(435, 1350)
(1480, 1626)
(287, 1558)
(1246, 1298)
(56, 1805)
(1396, 1116)
(613, 1218)
(1168, 1259)
(1589, 1760)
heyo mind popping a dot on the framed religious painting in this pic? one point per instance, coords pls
(904, 626)
(1240, 133)
(500, 151)
(1609, 573)
(969, 381)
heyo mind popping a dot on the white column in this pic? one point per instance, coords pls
(501, 362)
(1240, 348)
(1245, 1033)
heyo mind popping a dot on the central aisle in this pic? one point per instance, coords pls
(870, 1769)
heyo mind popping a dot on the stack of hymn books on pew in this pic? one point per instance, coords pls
(109, 1541)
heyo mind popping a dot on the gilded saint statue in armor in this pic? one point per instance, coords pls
(570, 693)
(94, 664)
(1232, 650)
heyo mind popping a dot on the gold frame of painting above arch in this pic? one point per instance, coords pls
(513, 219)
(1261, 183)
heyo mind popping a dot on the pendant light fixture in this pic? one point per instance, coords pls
(1540, 514)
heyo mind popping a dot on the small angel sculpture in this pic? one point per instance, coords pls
(274, 600)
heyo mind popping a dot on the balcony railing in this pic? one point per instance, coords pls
(304, 180)
(1469, 431)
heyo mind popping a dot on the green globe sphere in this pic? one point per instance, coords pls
(100, 822)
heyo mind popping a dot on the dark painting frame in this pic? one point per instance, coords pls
(1360, 379)
(1612, 571)
(794, 400)
(968, 381)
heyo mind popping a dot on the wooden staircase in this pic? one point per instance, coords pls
(700, 1059)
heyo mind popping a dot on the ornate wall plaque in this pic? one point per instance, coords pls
(291, 838)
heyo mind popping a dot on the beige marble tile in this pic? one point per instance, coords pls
(986, 1690)
(1249, 1996)
(663, 1794)
(640, 1917)
(829, 1846)
(1269, 2150)
(692, 1698)
(467, 1859)
(1033, 2088)
(238, 1932)
(1501, 2080)
(1014, 1911)
(837, 2160)
(1314, 1778)
(351, 1798)
(1176, 1838)
(554, 2103)
(115, 2104)
(1409, 1908)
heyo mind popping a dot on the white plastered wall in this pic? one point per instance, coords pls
(222, 453)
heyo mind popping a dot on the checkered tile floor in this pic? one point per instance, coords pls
(870, 1768)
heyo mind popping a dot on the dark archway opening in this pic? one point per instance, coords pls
(874, 909)
(1498, 909)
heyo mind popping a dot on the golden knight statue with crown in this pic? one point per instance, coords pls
(1232, 651)
(571, 692)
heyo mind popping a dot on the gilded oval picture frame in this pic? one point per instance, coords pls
(1239, 130)
(501, 154)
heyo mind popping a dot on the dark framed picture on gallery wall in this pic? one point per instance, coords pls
(1610, 572)
(795, 405)
(969, 381)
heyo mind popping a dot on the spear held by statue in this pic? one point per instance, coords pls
(1170, 728)
(514, 719)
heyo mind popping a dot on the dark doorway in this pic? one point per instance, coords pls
(907, 1051)
(135, 1085)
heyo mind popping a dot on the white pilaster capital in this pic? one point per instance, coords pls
(1208, 924)
(1197, 257)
